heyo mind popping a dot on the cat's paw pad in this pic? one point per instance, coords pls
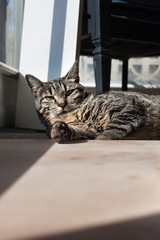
(60, 132)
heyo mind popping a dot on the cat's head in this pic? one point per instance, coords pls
(57, 96)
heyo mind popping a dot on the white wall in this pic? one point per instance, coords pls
(8, 93)
(48, 49)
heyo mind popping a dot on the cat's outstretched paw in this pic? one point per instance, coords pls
(60, 132)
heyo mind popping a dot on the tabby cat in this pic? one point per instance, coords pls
(70, 113)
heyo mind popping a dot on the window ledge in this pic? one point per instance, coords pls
(7, 70)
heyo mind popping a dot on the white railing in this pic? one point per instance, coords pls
(143, 72)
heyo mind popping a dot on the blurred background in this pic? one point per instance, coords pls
(143, 72)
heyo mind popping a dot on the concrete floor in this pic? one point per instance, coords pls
(87, 190)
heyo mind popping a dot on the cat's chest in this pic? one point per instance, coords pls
(88, 117)
(76, 116)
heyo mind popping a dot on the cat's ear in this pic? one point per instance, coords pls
(34, 83)
(73, 74)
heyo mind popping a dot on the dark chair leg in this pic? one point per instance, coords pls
(125, 75)
(102, 68)
(100, 35)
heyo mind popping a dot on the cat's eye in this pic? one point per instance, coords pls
(69, 92)
(49, 98)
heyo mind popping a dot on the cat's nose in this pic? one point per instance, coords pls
(61, 103)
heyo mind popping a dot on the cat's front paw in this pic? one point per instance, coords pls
(60, 132)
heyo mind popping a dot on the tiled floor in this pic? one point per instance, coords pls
(87, 190)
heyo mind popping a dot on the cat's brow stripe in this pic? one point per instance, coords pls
(49, 90)
(52, 89)
(63, 87)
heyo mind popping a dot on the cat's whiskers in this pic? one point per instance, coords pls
(51, 116)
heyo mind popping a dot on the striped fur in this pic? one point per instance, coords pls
(70, 113)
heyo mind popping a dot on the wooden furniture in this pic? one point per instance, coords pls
(119, 29)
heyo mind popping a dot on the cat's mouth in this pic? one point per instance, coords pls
(65, 110)
(62, 111)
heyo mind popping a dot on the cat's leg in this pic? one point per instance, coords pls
(63, 132)
(121, 127)
(112, 134)
(78, 133)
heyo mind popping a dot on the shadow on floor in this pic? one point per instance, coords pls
(22, 133)
(146, 228)
(17, 156)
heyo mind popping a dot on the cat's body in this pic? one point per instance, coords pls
(70, 113)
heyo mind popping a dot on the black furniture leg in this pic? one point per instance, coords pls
(102, 67)
(101, 40)
(125, 75)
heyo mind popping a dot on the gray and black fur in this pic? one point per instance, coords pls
(70, 113)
